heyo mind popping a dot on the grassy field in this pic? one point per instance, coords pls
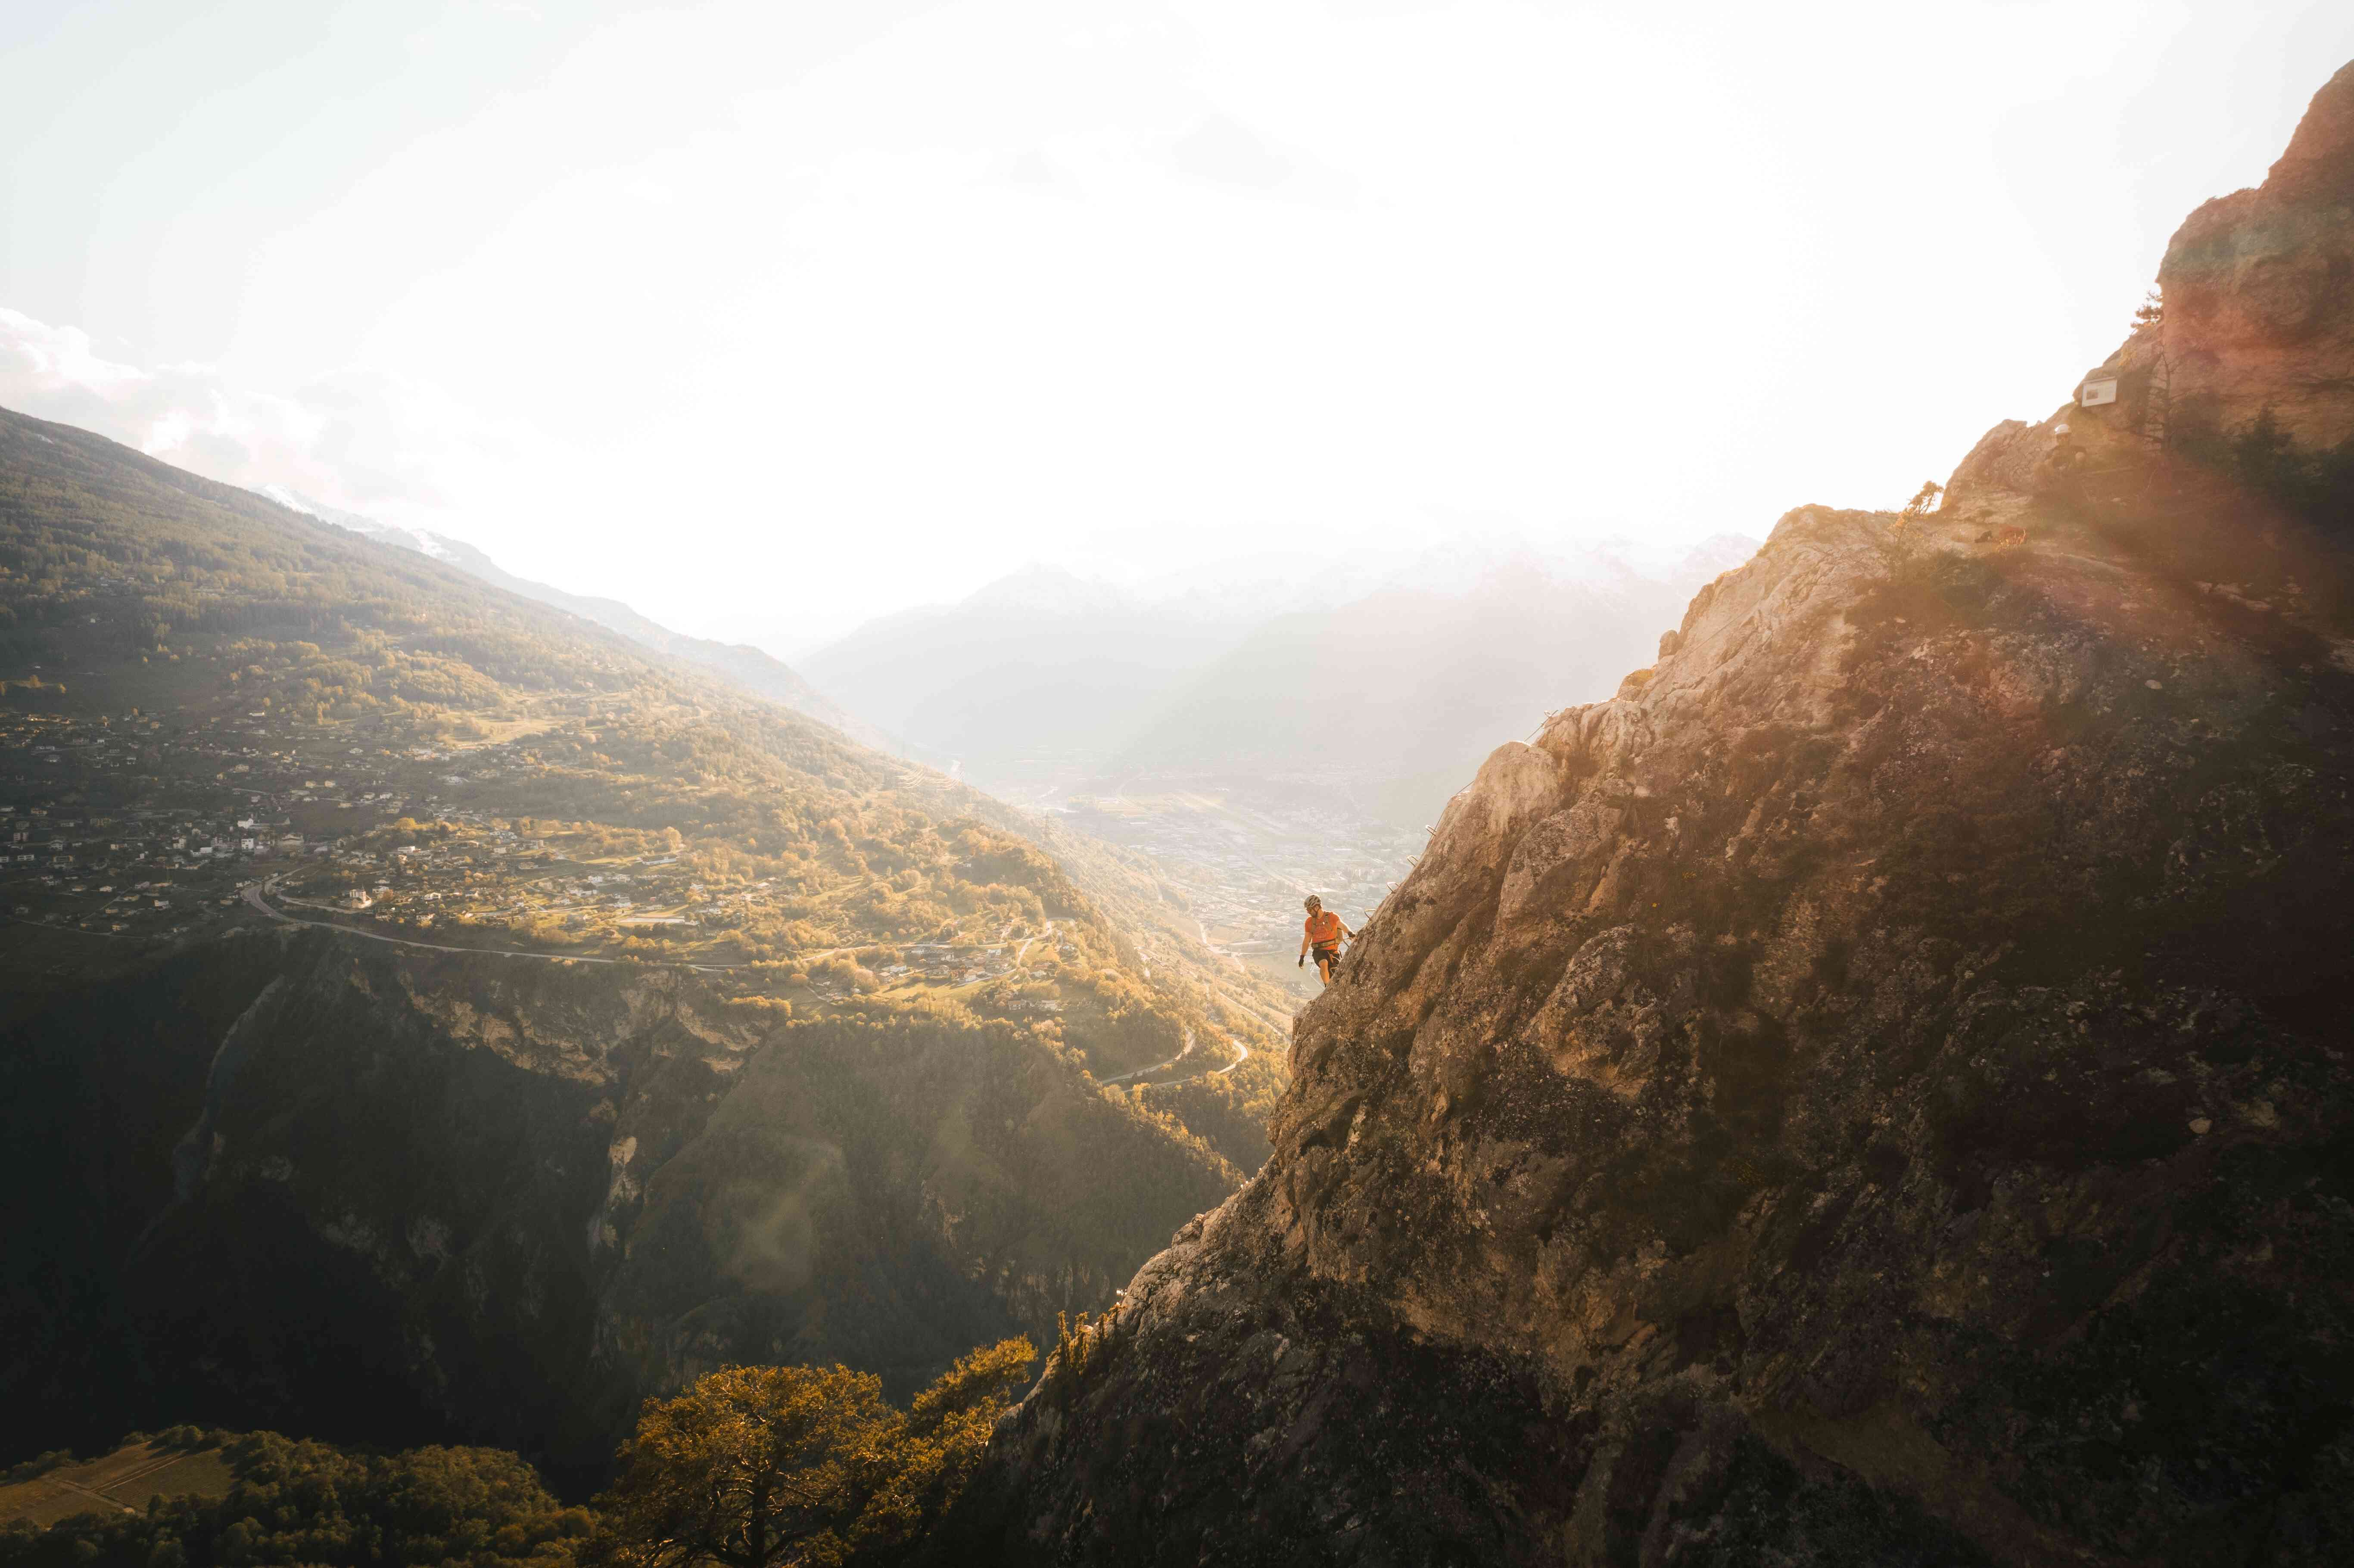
(122, 1482)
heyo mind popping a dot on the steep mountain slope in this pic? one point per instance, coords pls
(388, 1195)
(2257, 291)
(747, 666)
(635, 1024)
(1873, 1091)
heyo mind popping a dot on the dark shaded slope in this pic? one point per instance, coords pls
(334, 1186)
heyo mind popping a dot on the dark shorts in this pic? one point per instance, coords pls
(1324, 954)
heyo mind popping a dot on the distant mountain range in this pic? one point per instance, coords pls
(1038, 664)
(1408, 688)
(1399, 685)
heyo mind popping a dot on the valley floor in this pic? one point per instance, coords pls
(1244, 851)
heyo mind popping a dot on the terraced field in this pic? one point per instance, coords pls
(122, 1482)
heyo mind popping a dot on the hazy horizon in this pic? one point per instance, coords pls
(772, 323)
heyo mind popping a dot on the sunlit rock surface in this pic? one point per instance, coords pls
(2260, 287)
(2257, 325)
(1877, 1091)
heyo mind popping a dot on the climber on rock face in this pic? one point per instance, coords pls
(1324, 936)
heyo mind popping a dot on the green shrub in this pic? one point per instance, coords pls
(302, 1502)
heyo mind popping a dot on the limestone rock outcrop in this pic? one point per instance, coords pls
(2257, 324)
(2259, 288)
(1877, 1090)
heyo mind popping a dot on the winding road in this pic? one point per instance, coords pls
(254, 895)
(1156, 1066)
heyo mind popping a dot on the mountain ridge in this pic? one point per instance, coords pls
(757, 672)
(1871, 1090)
(1045, 670)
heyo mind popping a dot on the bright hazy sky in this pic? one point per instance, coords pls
(769, 317)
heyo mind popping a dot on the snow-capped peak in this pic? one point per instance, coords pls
(415, 539)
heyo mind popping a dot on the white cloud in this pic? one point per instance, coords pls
(1222, 148)
(361, 442)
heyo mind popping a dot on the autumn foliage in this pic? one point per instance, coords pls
(755, 1467)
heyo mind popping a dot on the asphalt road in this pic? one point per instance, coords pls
(1213, 1072)
(254, 891)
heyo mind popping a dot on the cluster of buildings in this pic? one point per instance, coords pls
(952, 963)
(133, 824)
(474, 869)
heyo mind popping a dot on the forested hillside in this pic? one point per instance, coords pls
(748, 667)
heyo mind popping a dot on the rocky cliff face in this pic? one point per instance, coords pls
(1874, 1091)
(2257, 324)
(328, 1184)
(2259, 288)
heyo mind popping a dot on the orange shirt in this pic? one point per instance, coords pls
(1324, 928)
